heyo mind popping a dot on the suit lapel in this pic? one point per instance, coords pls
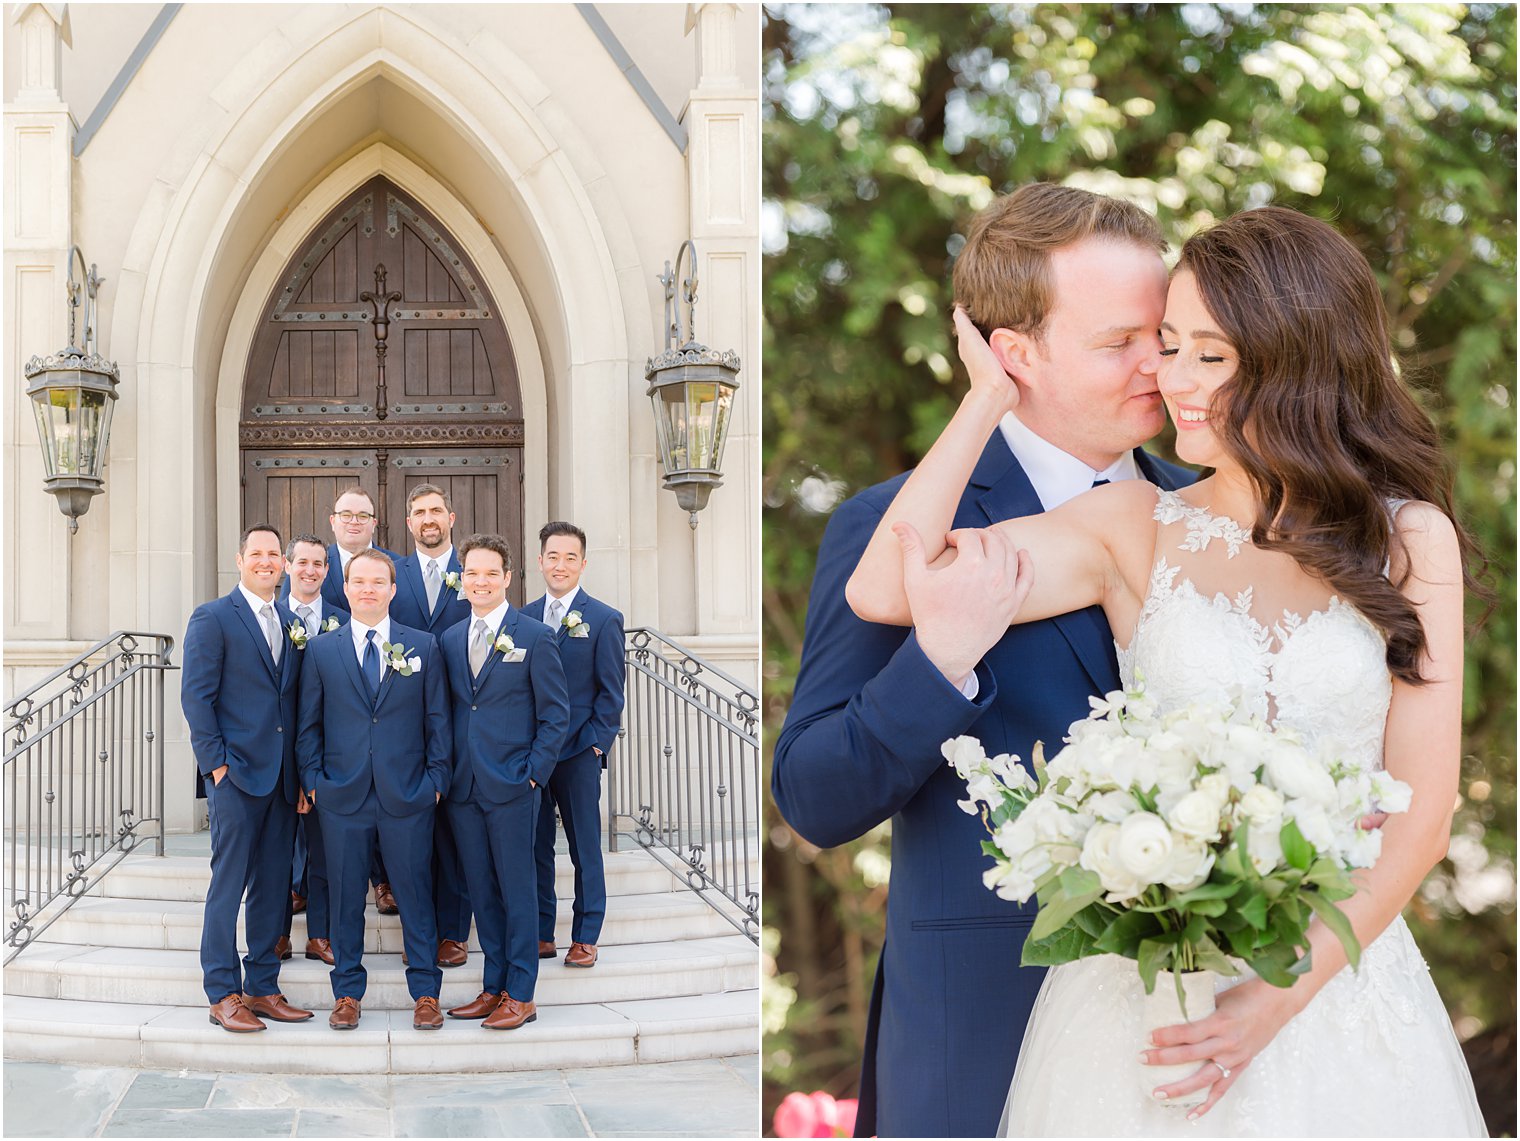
(355, 674)
(255, 631)
(493, 655)
(1008, 494)
(410, 572)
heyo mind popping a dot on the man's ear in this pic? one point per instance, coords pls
(1016, 352)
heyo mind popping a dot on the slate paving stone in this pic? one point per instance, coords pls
(200, 1123)
(46, 1100)
(168, 1091)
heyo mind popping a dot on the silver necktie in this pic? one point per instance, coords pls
(271, 631)
(480, 643)
(308, 619)
(433, 581)
(556, 609)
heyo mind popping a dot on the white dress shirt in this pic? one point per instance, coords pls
(258, 605)
(1058, 476)
(315, 605)
(493, 620)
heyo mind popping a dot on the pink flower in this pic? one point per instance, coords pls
(815, 1115)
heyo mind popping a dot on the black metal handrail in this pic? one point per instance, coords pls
(84, 776)
(684, 782)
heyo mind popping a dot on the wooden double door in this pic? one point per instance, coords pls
(315, 417)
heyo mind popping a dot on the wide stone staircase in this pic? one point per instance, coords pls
(116, 980)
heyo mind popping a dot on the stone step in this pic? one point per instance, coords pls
(564, 1037)
(186, 877)
(176, 924)
(153, 976)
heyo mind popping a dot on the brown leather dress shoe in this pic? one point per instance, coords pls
(282, 947)
(274, 1006)
(511, 1014)
(452, 953)
(581, 955)
(480, 1006)
(385, 902)
(297, 903)
(319, 949)
(345, 1014)
(231, 1014)
(425, 1015)
(546, 949)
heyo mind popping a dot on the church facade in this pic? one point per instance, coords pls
(266, 189)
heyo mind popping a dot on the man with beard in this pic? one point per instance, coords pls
(428, 597)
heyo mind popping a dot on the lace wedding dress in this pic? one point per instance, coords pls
(1374, 1053)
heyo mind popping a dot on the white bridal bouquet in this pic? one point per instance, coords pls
(1179, 840)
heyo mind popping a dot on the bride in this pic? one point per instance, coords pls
(1317, 573)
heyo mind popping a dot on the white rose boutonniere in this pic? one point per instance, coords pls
(575, 625)
(330, 624)
(510, 652)
(296, 632)
(398, 659)
(454, 583)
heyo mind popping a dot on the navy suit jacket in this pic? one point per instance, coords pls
(410, 604)
(240, 706)
(861, 745)
(594, 672)
(400, 741)
(332, 585)
(510, 722)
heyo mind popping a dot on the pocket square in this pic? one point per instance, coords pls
(514, 656)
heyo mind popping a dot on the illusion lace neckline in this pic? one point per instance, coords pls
(1203, 526)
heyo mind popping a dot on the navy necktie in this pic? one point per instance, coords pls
(1100, 482)
(371, 663)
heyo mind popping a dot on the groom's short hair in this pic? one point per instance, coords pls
(1002, 274)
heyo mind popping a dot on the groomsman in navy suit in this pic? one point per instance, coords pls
(305, 571)
(374, 750)
(1069, 287)
(590, 638)
(238, 689)
(511, 710)
(353, 521)
(429, 597)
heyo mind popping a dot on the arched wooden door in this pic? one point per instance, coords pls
(315, 418)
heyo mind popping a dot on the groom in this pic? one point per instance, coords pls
(1069, 288)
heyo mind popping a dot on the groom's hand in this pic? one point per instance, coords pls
(960, 610)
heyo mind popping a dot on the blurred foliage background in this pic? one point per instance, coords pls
(887, 127)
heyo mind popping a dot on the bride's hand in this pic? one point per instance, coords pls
(1245, 1019)
(986, 371)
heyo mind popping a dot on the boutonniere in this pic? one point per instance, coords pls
(575, 625)
(396, 659)
(454, 583)
(330, 624)
(510, 652)
(296, 632)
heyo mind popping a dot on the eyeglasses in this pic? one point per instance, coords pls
(356, 516)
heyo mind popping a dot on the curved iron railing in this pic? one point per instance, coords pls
(84, 776)
(684, 782)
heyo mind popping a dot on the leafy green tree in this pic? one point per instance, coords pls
(887, 127)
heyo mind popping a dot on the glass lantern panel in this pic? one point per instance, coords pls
(58, 429)
(708, 406)
(671, 414)
(94, 427)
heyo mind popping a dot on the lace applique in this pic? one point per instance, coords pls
(1203, 527)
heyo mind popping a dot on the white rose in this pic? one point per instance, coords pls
(1298, 777)
(1144, 846)
(1190, 865)
(1098, 857)
(1196, 815)
(1390, 795)
(1264, 845)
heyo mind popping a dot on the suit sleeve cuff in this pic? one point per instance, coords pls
(914, 709)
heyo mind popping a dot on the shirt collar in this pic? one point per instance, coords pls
(442, 560)
(1057, 475)
(258, 603)
(566, 601)
(382, 631)
(315, 604)
(495, 618)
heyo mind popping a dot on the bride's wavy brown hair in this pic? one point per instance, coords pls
(1316, 413)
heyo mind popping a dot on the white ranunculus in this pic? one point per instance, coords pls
(1144, 846)
(1196, 815)
(1296, 775)
(1189, 866)
(1390, 795)
(1260, 802)
(1099, 858)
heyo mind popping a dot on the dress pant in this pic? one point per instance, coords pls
(451, 895)
(251, 842)
(575, 788)
(350, 840)
(310, 879)
(503, 888)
